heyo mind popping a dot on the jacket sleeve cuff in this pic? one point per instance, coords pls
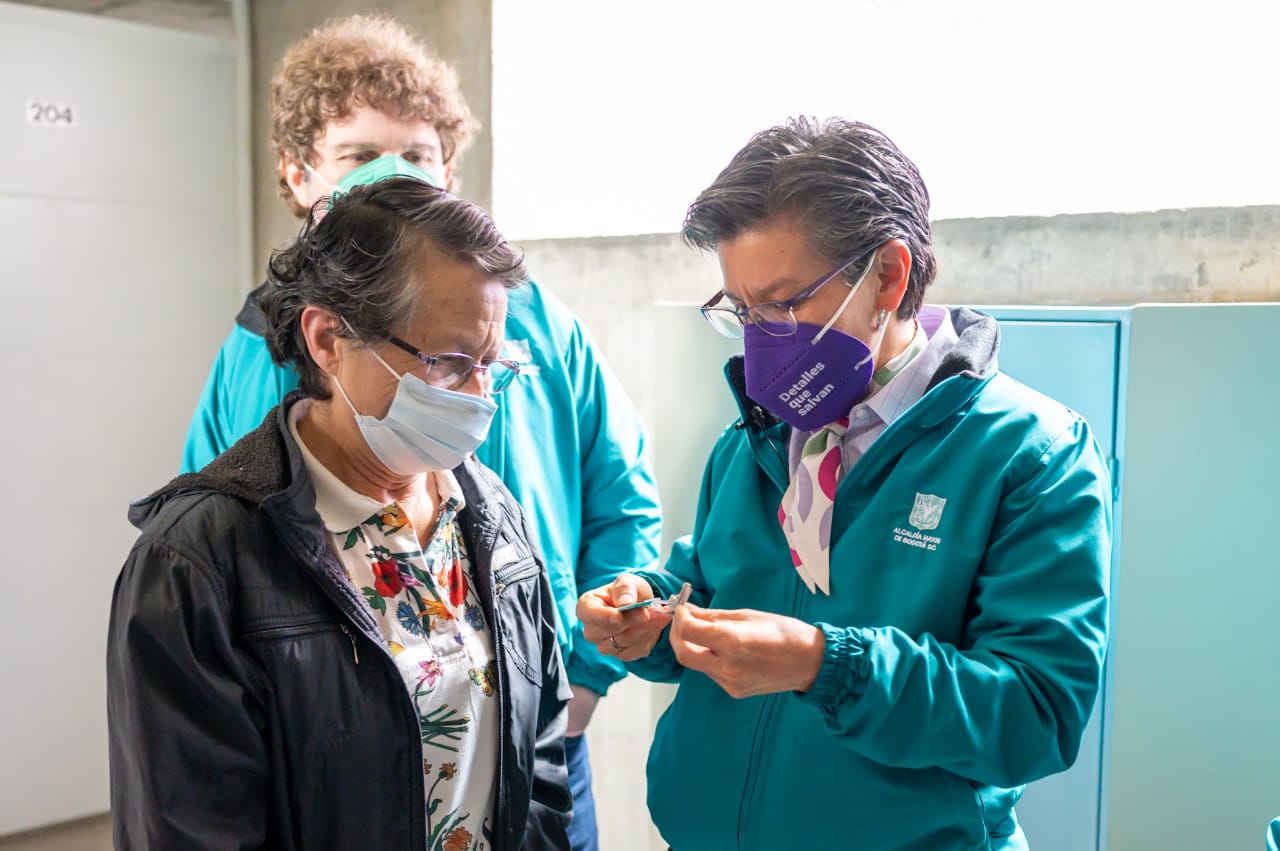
(660, 666)
(661, 583)
(843, 675)
(586, 667)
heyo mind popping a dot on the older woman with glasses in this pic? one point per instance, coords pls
(337, 635)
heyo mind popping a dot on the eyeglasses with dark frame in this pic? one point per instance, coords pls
(775, 318)
(452, 370)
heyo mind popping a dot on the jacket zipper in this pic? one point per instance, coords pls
(500, 805)
(749, 786)
(766, 712)
(291, 631)
(767, 708)
(303, 629)
(355, 652)
(507, 581)
(341, 596)
(417, 783)
(776, 474)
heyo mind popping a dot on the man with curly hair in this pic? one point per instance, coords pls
(362, 98)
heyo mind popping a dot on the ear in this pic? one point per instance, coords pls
(297, 179)
(319, 331)
(893, 270)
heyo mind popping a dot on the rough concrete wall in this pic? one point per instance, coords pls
(1200, 255)
(461, 31)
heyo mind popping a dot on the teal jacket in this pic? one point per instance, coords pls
(566, 441)
(963, 655)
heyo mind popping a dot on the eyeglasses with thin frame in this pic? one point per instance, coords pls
(452, 370)
(775, 318)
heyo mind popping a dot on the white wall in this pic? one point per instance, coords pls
(120, 267)
(609, 118)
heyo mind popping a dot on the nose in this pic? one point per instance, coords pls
(477, 383)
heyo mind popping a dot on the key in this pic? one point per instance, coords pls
(658, 604)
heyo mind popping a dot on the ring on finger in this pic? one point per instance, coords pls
(616, 646)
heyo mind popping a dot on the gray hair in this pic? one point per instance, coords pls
(844, 183)
(358, 261)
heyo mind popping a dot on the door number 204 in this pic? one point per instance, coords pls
(46, 114)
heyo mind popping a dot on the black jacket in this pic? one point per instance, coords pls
(252, 700)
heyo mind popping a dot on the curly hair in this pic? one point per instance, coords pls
(847, 184)
(364, 60)
(362, 262)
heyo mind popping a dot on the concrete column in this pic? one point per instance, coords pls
(461, 31)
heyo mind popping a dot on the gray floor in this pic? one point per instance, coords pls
(89, 834)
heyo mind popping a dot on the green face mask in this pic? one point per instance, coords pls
(382, 168)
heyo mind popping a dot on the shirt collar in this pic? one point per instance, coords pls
(890, 401)
(342, 508)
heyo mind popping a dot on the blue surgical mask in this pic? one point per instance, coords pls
(426, 428)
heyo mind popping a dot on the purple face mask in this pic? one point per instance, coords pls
(814, 376)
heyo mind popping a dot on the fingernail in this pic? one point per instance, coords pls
(624, 598)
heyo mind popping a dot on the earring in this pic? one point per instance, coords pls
(880, 318)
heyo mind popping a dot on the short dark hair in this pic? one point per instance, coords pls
(844, 183)
(358, 260)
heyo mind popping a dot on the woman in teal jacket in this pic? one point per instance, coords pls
(890, 676)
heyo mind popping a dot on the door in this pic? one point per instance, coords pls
(119, 265)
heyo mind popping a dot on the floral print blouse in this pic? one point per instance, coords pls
(424, 599)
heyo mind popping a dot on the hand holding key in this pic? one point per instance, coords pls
(748, 652)
(623, 619)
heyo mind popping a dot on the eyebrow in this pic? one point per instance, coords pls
(453, 346)
(768, 293)
(342, 147)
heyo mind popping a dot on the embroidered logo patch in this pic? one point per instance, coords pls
(927, 512)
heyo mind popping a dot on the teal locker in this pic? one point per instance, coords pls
(1183, 750)
(1194, 713)
(1073, 356)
